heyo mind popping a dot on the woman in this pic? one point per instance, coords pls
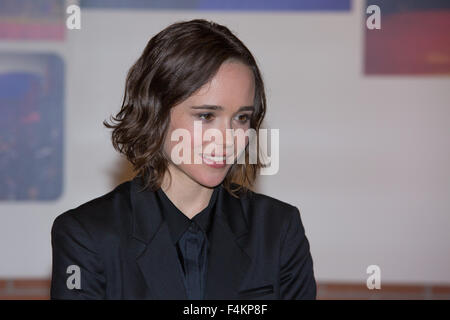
(183, 228)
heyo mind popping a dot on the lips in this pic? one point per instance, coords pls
(215, 159)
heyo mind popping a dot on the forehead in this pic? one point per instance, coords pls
(232, 86)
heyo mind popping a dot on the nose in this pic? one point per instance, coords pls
(227, 137)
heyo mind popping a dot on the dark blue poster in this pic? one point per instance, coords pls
(269, 5)
(31, 126)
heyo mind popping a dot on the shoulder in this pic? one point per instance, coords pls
(101, 215)
(268, 217)
(263, 206)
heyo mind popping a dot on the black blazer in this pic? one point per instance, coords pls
(122, 246)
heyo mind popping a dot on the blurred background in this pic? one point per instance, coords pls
(363, 116)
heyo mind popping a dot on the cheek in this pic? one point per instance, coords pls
(177, 123)
(241, 141)
(196, 145)
(167, 146)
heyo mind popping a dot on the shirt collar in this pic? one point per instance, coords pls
(178, 222)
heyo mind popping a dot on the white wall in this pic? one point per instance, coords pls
(366, 159)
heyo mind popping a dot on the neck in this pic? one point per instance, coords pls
(187, 195)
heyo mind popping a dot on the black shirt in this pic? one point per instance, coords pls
(190, 236)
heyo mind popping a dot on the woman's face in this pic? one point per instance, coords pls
(226, 102)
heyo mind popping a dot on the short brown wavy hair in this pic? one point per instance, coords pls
(175, 64)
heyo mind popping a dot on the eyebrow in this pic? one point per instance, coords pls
(214, 107)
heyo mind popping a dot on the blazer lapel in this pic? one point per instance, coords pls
(158, 261)
(227, 259)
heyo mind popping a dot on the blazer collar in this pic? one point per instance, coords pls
(178, 222)
(228, 259)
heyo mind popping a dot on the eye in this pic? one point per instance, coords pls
(205, 116)
(244, 118)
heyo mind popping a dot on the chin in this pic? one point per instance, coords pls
(209, 177)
